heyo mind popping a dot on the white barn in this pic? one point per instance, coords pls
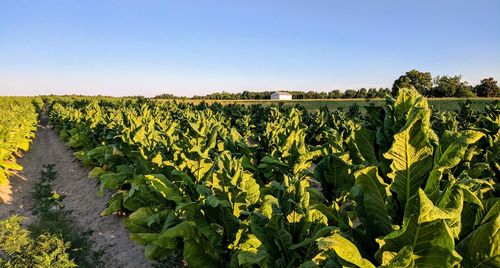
(279, 95)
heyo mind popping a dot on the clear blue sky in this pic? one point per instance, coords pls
(196, 47)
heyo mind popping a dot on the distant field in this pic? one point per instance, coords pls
(446, 104)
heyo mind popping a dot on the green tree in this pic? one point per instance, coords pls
(322, 95)
(451, 86)
(372, 93)
(382, 92)
(311, 95)
(487, 88)
(335, 94)
(362, 93)
(465, 92)
(166, 96)
(349, 94)
(422, 81)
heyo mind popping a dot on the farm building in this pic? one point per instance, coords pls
(278, 95)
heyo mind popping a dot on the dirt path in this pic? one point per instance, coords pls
(22, 183)
(109, 233)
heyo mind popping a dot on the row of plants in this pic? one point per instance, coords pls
(19, 247)
(255, 186)
(51, 217)
(50, 240)
(18, 125)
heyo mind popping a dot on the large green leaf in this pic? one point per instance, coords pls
(365, 141)
(198, 255)
(185, 230)
(425, 230)
(139, 134)
(258, 227)
(137, 221)
(199, 167)
(405, 101)
(449, 153)
(250, 250)
(114, 204)
(375, 199)
(251, 258)
(334, 174)
(481, 248)
(344, 249)
(165, 187)
(451, 202)
(111, 180)
(411, 155)
(404, 259)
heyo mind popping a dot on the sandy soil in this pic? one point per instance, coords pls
(109, 233)
(22, 183)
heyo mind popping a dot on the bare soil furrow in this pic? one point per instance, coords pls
(109, 233)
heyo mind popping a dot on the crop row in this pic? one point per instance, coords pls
(256, 186)
(18, 123)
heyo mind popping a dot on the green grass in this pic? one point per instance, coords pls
(445, 104)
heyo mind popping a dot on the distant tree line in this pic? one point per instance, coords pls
(437, 87)
(168, 96)
(334, 94)
(262, 95)
(445, 86)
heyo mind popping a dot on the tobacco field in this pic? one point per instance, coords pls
(400, 185)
